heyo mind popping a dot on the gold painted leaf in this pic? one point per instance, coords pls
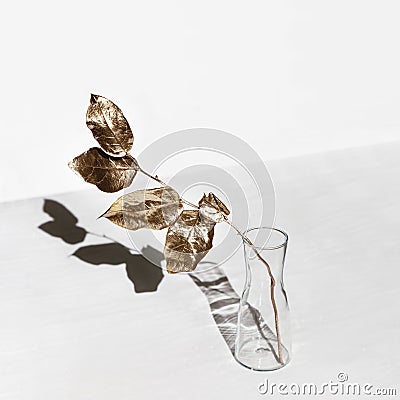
(109, 126)
(212, 208)
(151, 208)
(109, 174)
(188, 241)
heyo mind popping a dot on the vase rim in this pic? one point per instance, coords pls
(265, 247)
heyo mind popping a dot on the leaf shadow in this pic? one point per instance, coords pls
(144, 275)
(64, 223)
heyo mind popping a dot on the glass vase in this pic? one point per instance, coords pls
(263, 340)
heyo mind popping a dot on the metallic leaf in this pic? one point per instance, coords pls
(109, 126)
(188, 241)
(212, 208)
(109, 174)
(151, 208)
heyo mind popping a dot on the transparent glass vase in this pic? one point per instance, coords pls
(263, 339)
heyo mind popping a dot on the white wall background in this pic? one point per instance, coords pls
(290, 77)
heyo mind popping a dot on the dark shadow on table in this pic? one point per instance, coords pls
(64, 223)
(144, 275)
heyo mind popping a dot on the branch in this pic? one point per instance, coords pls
(248, 241)
(157, 179)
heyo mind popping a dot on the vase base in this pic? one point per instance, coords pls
(263, 368)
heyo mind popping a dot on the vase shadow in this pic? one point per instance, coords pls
(224, 306)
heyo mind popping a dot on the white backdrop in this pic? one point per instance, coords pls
(289, 77)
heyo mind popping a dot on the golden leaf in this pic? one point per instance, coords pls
(109, 126)
(109, 174)
(151, 208)
(188, 241)
(212, 208)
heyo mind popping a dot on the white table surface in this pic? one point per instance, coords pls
(73, 330)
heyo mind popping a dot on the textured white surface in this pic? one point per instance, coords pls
(71, 330)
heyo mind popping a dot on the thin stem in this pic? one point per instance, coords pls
(248, 241)
(272, 286)
(111, 240)
(157, 179)
(103, 236)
